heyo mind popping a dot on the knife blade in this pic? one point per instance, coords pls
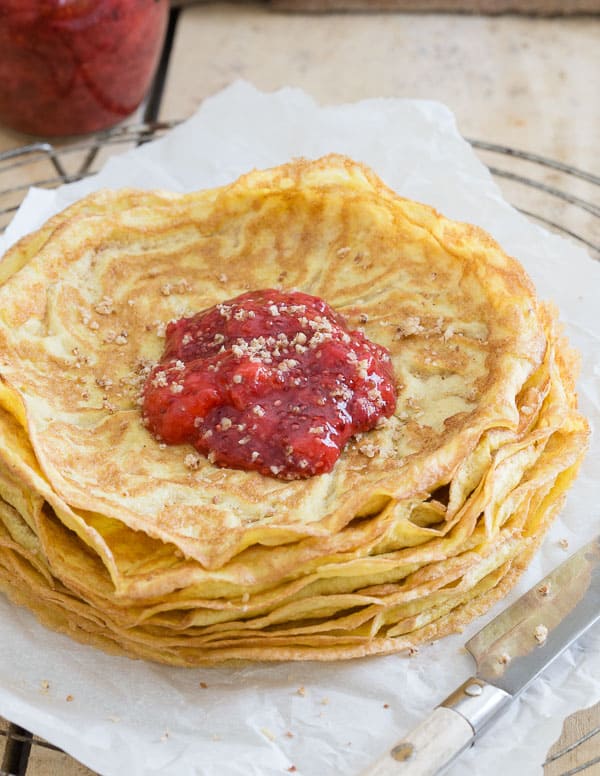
(510, 652)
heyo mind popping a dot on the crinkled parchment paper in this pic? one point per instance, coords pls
(138, 718)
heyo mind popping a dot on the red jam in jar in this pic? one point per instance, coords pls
(76, 66)
(269, 381)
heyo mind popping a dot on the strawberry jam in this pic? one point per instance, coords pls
(269, 381)
(76, 66)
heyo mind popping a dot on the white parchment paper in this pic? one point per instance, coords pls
(131, 717)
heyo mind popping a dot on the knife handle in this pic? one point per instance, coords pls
(448, 730)
(427, 748)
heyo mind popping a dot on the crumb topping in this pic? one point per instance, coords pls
(540, 634)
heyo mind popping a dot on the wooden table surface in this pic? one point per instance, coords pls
(517, 81)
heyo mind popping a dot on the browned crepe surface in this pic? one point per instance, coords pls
(420, 523)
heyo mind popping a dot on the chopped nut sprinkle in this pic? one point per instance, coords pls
(192, 461)
(540, 633)
(369, 449)
(410, 326)
(104, 306)
(160, 380)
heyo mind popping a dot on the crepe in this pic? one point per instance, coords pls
(116, 539)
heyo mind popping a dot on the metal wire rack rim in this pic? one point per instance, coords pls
(144, 132)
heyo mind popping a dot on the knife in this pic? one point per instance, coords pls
(510, 652)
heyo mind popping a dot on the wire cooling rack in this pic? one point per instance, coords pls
(563, 198)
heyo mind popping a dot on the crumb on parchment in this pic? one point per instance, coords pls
(540, 633)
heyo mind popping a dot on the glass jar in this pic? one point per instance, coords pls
(76, 66)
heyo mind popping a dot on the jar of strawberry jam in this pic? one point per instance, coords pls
(76, 66)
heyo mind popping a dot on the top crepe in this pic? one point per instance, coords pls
(85, 301)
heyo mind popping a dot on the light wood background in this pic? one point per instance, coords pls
(538, 7)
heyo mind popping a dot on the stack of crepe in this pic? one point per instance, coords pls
(149, 550)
